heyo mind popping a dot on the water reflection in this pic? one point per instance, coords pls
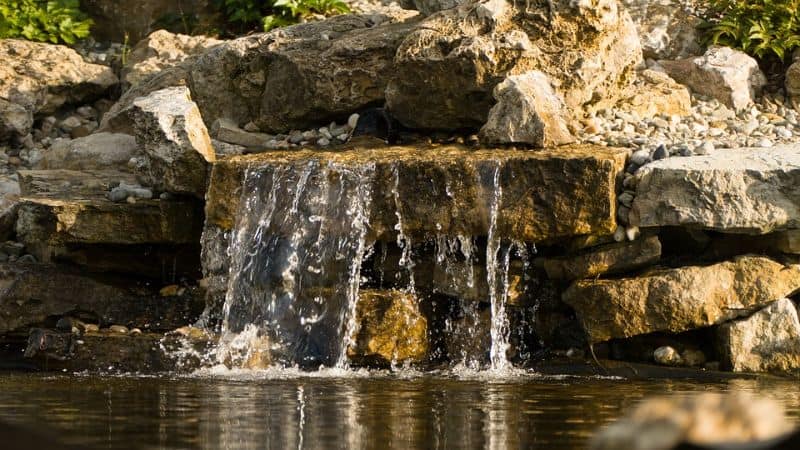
(310, 413)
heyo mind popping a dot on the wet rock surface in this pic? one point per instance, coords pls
(449, 189)
(391, 328)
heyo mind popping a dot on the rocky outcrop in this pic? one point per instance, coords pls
(728, 75)
(607, 259)
(450, 189)
(731, 190)
(676, 300)
(38, 78)
(93, 152)
(447, 68)
(668, 29)
(391, 328)
(161, 50)
(527, 111)
(30, 295)
(655, 93)
(767, 341)
(71, 207)
(292, 78)
(176, 147)
(701, 421)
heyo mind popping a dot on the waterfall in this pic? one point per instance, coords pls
(296, 259)
(498, 286)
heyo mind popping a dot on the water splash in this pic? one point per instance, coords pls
(296, 260)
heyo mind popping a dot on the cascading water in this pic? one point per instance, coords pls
(299, 243)
(296, 259)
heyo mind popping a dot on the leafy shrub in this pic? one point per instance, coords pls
(761, 28)
(44, 21)
(269, 14)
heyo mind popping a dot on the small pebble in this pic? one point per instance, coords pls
(660, 153)
(121, 329)
(352, 121)
(667, 356)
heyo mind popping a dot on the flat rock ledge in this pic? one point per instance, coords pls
(449, 190)
(677, 300)
(748, 190)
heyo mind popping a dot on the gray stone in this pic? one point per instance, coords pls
(750, 191)
(667, 356)
(667, 28)
(38, 78)
(161, 50)
(96, 151)
(767, 341)
(528, 111)
(227, 131)
(174, 140)
(728, 75)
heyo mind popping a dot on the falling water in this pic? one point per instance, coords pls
(296, 259)
(498, 288)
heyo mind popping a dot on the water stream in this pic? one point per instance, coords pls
(303, 233)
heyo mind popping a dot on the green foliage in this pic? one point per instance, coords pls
(762, 28)
(269, 14)
(53, 21)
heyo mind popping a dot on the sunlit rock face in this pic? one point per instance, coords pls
(676, 300)
(287, 234)
(446, 69)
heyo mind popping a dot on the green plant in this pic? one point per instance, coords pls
(53, 21)
(762, 28)
(269, 14)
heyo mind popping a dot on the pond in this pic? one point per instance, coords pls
(282, 409)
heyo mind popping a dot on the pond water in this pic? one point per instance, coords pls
(377, 410)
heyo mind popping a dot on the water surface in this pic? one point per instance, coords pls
(288, 410)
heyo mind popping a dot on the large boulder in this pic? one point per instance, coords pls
(292, 78)
(160, 50)
(728, 75)
(527, 111)
(38, 78)
(667, 28)
(676, 300)
(175, 142)
(767, 341)
(750, 191)
(96, 151)
(447, 68)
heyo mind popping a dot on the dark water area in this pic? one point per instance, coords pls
(282, 410)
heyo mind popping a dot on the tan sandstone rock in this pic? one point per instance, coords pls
(446, 69)
(676, 300)
(160, 50)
